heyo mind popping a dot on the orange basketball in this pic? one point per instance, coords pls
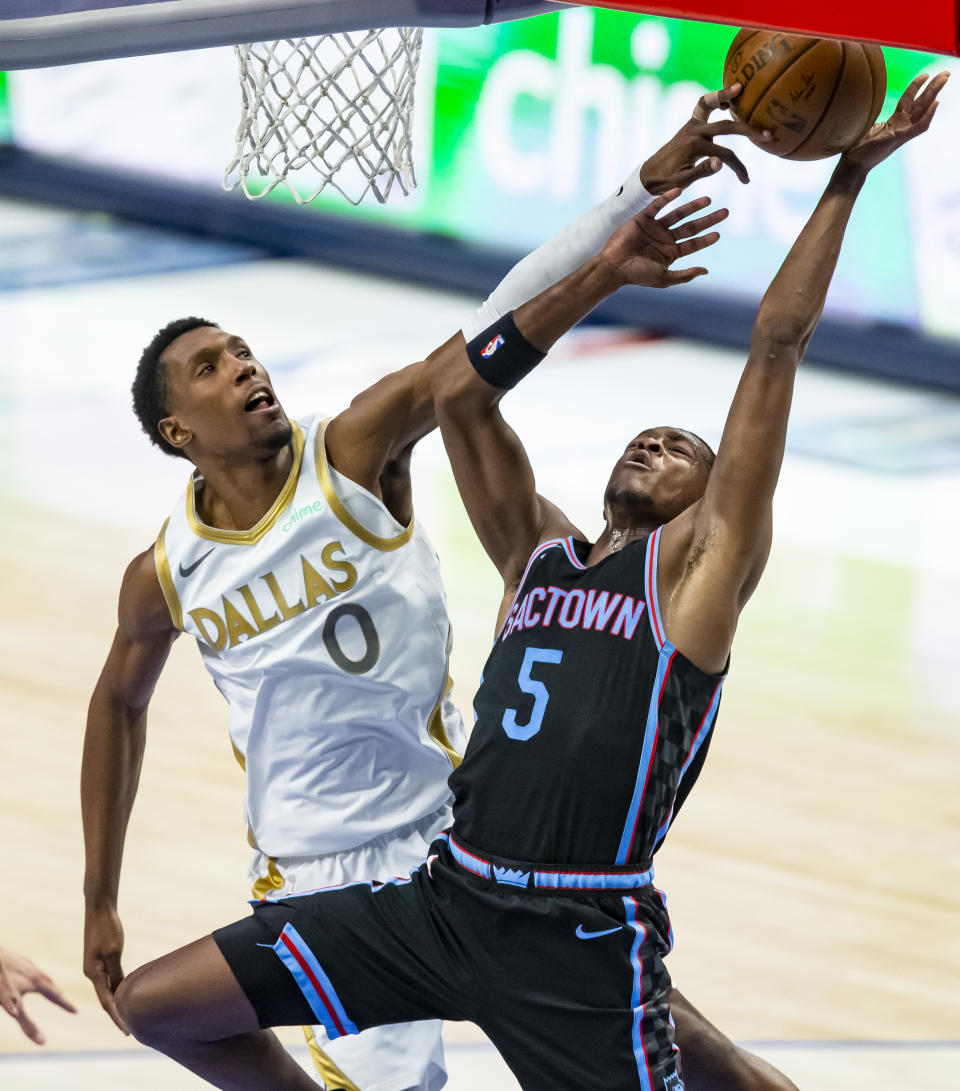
(817, 96)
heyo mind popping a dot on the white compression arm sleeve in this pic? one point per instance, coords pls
(561, 255)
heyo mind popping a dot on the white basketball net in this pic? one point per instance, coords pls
(331, 111)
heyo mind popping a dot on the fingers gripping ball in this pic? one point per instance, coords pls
(816, 96)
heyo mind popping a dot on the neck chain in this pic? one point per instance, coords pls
(618, 539)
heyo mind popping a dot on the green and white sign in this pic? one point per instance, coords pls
(521, 126)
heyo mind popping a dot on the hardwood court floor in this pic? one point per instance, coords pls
(813, 876)
(475, 1066)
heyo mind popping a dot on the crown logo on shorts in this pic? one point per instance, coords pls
(511, 876)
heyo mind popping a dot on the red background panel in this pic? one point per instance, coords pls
(929, 25)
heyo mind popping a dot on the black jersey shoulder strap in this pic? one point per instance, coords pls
(564, 544)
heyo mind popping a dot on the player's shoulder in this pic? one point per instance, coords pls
(309, 421)
(311, 427)
(683, 540)
(142, 609)
(554, 523)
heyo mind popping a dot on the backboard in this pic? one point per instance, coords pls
(40, 33)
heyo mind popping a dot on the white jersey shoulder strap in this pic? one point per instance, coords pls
(362, 513)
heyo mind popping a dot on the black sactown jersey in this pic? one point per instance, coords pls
(590, 726)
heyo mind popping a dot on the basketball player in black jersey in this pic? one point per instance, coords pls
(536, 916)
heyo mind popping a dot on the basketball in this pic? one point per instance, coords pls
(816, 96)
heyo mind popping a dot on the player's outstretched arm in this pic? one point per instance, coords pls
(371, 441)
(112, 754)
(688, 156)
(489, 462)
(18, 977)
(712, 556)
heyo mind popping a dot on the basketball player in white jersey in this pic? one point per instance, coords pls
(294, 560)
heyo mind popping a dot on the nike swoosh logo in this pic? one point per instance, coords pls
(191, 568)
(594, 935)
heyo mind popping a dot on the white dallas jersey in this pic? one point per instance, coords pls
(325, 627)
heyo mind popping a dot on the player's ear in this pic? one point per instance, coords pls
(174, 432)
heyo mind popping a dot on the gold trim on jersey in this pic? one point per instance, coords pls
(339, 509)
(436, 728)
(255, 533)
(273, 880)
(332, 1076)
(239, 755)
(162, 563)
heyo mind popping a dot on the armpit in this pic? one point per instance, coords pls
(695, 554)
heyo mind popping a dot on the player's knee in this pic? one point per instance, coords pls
(762, 1076)
(147, 1007)
(716, 1064)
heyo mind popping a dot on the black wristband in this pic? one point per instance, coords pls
(501, 355)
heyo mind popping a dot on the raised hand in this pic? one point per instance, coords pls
(19, 976)
(644, 248)
(912, 116)
(691, 154)
(102, 948)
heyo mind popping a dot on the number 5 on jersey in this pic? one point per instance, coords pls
(536, 689)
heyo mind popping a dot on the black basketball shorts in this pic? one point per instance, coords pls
(572, 990)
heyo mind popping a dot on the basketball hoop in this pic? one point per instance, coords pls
(330, 111)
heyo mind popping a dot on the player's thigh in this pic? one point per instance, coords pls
(583, 999)
(712, 1062)
(347, 959)
(191, 993)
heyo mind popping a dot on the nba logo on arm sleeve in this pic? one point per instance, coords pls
(491, 346)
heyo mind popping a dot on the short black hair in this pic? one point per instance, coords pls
(151, 396)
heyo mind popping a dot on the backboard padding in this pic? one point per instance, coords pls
(933, 26)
